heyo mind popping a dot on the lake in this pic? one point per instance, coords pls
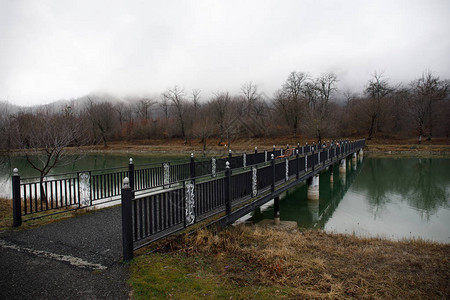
(393, 198)
(94, 161)
(389, 197)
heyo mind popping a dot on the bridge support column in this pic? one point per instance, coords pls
(313, 206)
(342, 166)
(354, 158)
(313, 188)
(313, 197)
(276, 210)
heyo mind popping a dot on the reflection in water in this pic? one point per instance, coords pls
(313, 213)
(421, 183)
(392, 197)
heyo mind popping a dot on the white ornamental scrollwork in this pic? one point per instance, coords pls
(318, 158)
(190, 203)
(306, 163)
(213, 167)
(287, 169)
(265, 156)
(244, 160)
(254, 182)
(166, 167)
(84, 183)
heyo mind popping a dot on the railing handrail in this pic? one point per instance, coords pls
(88, 188)
(180, 161)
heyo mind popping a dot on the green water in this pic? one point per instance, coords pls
(389, 197)
(85, 162)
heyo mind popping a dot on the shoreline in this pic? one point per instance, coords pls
(289, 263)
(437, 146)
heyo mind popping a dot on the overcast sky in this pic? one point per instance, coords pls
(51, 50)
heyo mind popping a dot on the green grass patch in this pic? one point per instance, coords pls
(178, 276)
(254, 262)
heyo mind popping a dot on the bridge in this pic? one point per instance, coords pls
(161, 200)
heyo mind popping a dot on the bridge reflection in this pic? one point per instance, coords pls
(314, 213)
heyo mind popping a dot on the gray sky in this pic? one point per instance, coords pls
(57, 49)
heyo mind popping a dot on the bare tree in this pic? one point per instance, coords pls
(377, 90)
(220, 105)
(102, 116)
(250, 92)
(427, 90)
(289, 100)
(176, 97)
(43, 139)
(203, 126)
(196, 101)
(325, 86)
(5, 141)
(143, 108)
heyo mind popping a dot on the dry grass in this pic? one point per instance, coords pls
(194, 145)
(312, 264)
(6, 216)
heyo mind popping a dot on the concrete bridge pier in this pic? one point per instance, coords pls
(354, 161)
(313, 188)
(313, 206)
(313, 197)
(276, 210)
(342, 166)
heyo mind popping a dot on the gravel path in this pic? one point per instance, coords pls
(78, 258)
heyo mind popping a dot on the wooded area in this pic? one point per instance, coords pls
(304, 106)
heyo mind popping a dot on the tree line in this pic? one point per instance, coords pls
(304, 106)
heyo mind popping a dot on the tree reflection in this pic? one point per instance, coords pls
(428, 190)
(421, 183)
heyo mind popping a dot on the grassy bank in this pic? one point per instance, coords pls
(250, 262)
(6, 216)
(436, 145)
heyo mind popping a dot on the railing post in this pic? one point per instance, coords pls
(127, 221)
(272, 188)
(313, 159)
(192, 166)
(131, 175)
(298, 164)
(17, 208)
(273, 150)
(230, 155)
(254, 157)
(227, 189)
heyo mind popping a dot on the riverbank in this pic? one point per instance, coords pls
(254, 262)
(387, 146)
(177, 147)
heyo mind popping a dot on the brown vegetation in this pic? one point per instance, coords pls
(267, 263)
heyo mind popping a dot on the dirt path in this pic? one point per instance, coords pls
(78, 258)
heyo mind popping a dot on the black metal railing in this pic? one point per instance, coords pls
(37, 197)
(164, 212)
